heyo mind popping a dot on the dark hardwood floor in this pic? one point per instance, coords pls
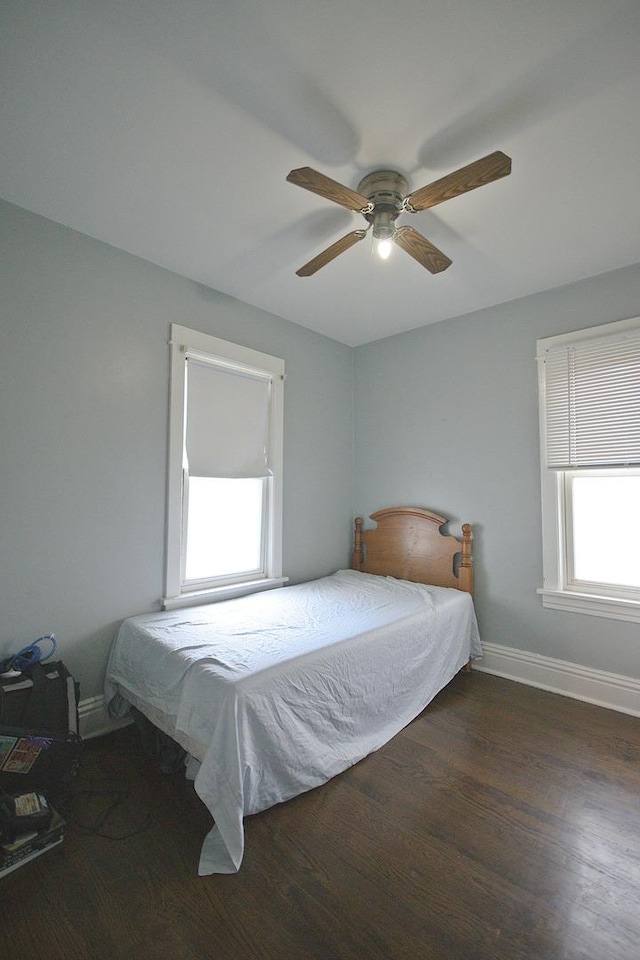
(504, 822)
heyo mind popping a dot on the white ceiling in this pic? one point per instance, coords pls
(167, 127)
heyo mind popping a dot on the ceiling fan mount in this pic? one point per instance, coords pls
(386, 190)
(383, 195)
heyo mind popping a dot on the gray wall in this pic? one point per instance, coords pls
(446, 417)
(83, 432)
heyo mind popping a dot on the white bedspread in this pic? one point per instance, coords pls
(278, 692)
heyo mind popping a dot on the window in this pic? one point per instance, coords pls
(224, 503)
(590, 454)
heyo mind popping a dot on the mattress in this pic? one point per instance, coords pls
(275, 693)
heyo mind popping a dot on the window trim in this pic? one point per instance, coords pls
(555, 592)
(183, 342)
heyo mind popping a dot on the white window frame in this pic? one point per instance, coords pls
(558, 592)
(184, 343)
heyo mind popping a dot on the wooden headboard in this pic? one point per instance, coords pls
(408, 544)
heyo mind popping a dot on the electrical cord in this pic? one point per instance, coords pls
(109, 800)
(30, 655)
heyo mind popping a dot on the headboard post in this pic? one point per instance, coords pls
(357, 556)
(465, 573)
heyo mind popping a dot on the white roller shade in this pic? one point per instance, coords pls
(227, 431)
(592, 402)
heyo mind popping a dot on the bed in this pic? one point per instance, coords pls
(275, 693)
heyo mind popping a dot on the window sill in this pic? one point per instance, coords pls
(227, 592)
(612, 608)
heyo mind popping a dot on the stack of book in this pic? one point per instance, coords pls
(30, 845)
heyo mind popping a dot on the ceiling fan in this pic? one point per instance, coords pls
(383, 195)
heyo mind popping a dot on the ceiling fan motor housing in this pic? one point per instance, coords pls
(386, 189)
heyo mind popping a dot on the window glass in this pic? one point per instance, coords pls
(224, 527)
(604, 515)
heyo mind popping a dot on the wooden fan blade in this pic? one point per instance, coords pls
(331, 253)
(330, 189)
(421, 249)
(467, 178)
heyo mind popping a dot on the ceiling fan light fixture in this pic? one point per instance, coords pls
(385, 190)
(383, 229)
(383, 224)
(383, 248)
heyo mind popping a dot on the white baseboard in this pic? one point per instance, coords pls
(609, 690)
(95, 720)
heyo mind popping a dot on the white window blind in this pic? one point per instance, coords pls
(228, 411)
(592, 402)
